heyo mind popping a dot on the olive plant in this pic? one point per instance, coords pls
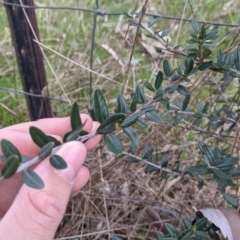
(198, 56)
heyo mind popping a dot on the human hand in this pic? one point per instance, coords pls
(35, 214)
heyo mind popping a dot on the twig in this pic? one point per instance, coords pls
(150, 163)
(35, 160)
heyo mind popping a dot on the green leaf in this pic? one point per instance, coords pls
(191, 50)
(149, 86)
(183, 90)
(189, 63)
(148, 108)
(31, 179)
(212, 233)
(237, 59)
(121, 104)
(40, 138)
(206, 52)
(186, 102)
(164, 165)
(108, 123)
(131, 160)
(195, 25)
(148, 152)
(46, 150)
(8, 149)
(132, 23)
(154, 21)
(212, 117)
(167, 68)
(205, 108)
(171, 229)
(187, 223)
(133, 106)
(107, 129)
(159, 80)
(65, 136)
(70, 136)
(10, 167)
(139, 95)
(220, 58)
(53, 139)
(130, 120)
(99, 106)
(171, 88)
(231, 200)
(200, 169)
(132, 135)
(113, 143)
(220, 173)
(201, 234)
(223, 182)
(201, 223)
(212, 35)
(58, 162)
(206, 151)
(75, 117)
(165, 33)
(141, 124)
(176, 119)
(185, 234)
(153, 116)
(159, 95)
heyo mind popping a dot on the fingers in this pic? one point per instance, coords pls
(36, 214)
(22, 139)
(55, 126)
(79, 183)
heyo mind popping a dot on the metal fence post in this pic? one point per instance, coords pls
(29, 57)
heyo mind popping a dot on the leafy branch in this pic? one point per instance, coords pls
(141, 110)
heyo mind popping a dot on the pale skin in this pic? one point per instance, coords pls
(35, 214)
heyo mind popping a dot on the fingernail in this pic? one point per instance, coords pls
(74, 156)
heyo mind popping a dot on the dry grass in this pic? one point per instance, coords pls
(118, 194)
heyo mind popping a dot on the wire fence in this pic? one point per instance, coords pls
(99, 11)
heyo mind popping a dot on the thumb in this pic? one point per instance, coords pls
(36, 214)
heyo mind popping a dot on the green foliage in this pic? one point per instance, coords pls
(40, 138)
(169, 101)
(99, 106)
(10, 167)
(159, 80)
(9, 149)
(75, 117)
(31, 179)
(154, 21)
(121, 105)
(57, 162)
(133, 136)
(113, 143)
(72, 135)
(46, 150)
(167, 69)
(109, 124)
(222, 167)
